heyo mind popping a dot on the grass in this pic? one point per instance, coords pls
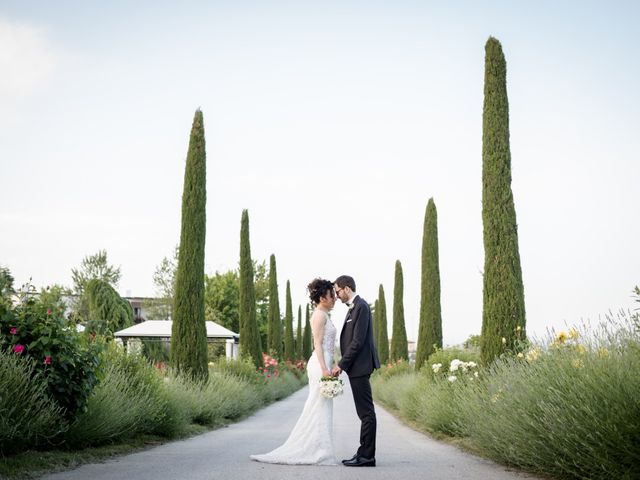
(567, 408)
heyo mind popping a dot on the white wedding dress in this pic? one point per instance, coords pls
(311, 440)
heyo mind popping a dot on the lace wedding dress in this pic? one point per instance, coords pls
(311, 440)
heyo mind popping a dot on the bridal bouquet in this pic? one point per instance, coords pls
(330, 387)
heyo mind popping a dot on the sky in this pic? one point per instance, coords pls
(333, 123)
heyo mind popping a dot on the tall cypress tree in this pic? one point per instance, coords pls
(289, 348)
(274, 333)
(249, 337)
(503, 291)
(503, 302)
(299, 335)
(399, 347)
(188, 333)
(430, 330)
(383, 341)
(306, 339)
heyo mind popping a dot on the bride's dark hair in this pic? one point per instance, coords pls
(318, 289)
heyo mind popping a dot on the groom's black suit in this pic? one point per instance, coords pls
(359, 359)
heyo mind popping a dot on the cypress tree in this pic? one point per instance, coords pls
(249, 337)
(399, 347)
(274, 333)
(503, 291)
(188, 351)
(306, 339)
(430, 329)
(299, 335)
(289, 348)
(383, 347)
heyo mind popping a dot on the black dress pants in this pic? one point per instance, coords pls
(362, 397)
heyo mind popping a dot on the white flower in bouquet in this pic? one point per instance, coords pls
(436, 367)
(452, 378)
(330, 387)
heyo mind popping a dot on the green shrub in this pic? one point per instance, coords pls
(156, 351)
(129, 400)
(279, 387)
(28, 416)
(242, 368)
(444, 357)
(569, 407)
(68, 361)
(572, 410)
(391, 390)
(399, 367)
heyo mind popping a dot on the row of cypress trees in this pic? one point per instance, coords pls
(503, 292)
(503, 314)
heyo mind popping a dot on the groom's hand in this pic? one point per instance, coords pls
(336, 371)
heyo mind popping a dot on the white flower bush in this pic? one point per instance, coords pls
(457, 368)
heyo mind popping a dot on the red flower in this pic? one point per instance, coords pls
(13, 331)
(18, 349)
(48, 311)
(47, 360)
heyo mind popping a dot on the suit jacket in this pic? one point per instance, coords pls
(359, 354)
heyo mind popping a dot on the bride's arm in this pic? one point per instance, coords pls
(318, 321)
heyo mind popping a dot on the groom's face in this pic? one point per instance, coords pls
(341, 292)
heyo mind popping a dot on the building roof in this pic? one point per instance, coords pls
(162, 329)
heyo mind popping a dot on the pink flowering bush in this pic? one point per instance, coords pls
(40, 334)
(270, 368)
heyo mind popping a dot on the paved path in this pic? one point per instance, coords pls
(402, 453)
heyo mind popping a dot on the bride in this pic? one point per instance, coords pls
(311, 440)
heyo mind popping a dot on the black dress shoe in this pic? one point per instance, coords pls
(350, 459)
(360, 461)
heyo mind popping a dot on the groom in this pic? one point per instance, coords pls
(359, 359)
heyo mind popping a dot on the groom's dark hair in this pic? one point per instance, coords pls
(346, 281)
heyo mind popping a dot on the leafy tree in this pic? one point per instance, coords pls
(6, 284)
(399, 346)
(289, 348)
(383, 340)
(108, 311)
(306, 338)
(95, 267)
(503, 290)
(222, 299)
(188, 334)
(275, 325)
(250, 346)
(164, 280)
(430, 329)
(92, 267)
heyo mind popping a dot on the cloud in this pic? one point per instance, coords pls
(27, 59)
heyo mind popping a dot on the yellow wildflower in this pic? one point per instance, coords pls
(577, 363)
(532, 355)
(581, 349)
(562, 337)
(603, 352)
(520, 355)
(573, 334)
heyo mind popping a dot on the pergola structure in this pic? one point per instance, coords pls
(161, 330)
